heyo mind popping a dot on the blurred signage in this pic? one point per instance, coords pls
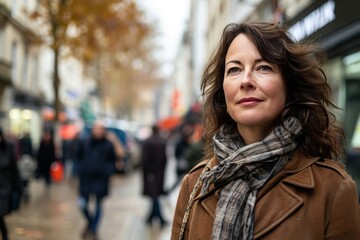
(314, 21)
(326, 18)
(48, 114)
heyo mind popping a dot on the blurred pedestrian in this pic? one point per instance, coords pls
(96, 165)
(26, 163)
(270, 138)
(10, 184)
(119, 149)
(25, 143)
(181, 147)
(182, 164)
(194, 154)
(70, 150)
(27, 167)
(45, 157)
(76, 142)
(153, 163)
(14, 141)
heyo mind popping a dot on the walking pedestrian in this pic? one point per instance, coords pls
(27, 168)
(25, 143)
(96, 165)
(10, 184)
(70, 150)
(26, 164)
(153, 162)
(181, 147)
(270, 138)
(194, 154)
(45, 157)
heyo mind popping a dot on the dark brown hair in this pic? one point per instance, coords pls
(308, 93)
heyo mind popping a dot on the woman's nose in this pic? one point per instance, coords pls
(247, 82)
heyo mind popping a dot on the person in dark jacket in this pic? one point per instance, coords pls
(45, 156)
(154, 162)
(97, 163)
(26, 145)
(10, 184)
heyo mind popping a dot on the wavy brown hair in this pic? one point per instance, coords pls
(308, 93)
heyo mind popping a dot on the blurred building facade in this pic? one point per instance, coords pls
(26, 70)
(20, 97)
(184, 88)
(334, 24)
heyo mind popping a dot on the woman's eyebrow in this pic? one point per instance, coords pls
(239, 62)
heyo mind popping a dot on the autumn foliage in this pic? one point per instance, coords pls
(107, 36)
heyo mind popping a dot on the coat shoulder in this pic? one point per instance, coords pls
(199, 166)
(195, 172)
(333, 166)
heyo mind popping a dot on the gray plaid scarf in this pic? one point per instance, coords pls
(242, 170)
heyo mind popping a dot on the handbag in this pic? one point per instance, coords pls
(57, 171)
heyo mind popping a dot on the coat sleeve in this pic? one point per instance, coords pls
(180, 208)
(344, 220)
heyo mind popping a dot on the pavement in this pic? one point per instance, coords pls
(53, 214)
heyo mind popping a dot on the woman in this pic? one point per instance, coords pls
(45, 156)
(270, 143)
(10, 184)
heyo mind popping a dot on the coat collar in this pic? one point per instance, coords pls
(295, 172)
(282, 200)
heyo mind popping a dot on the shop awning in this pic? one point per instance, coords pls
(169, 123)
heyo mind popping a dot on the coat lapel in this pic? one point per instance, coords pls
(278, 199)
(210, 199)
(209, 204)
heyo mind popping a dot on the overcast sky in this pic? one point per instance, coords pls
(170, 16)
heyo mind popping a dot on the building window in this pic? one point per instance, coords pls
(34, 72)
(25, 67)
(14, 62)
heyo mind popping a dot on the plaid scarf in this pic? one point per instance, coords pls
(242, 170)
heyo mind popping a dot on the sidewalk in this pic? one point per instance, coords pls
(52, 214)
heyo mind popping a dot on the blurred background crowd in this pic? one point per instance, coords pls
(134, 64)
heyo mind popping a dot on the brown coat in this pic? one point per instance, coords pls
(310, 199)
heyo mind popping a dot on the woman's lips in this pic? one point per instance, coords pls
(249, 101)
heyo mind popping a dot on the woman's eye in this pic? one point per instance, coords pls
(265, 68)
(233, 70)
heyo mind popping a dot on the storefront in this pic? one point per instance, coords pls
(336, 25)
(25, 116)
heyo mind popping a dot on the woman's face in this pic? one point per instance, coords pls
(255, 91)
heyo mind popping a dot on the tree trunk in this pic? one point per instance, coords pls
(56, 86)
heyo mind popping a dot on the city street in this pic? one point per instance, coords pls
(52, 214)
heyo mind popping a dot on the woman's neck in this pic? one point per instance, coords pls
(253, 134)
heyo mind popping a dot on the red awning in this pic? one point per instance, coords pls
(169, 123)
(68, 131)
